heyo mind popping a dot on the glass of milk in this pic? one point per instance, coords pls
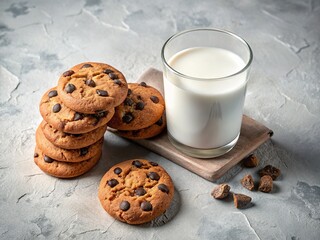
(205, 77)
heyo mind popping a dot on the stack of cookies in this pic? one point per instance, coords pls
(75, 116)
(142, 113)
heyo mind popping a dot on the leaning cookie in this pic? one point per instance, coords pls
(143, 107)
(136, 191)
(63, 169)
(66, 155)
(144, 133)
(92, 87)
(64, 119)
(71, 141)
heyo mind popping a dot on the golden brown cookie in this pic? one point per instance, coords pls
(63, 169)
(64, 119)
(66, 155)
(144, 133)
(92, 87)
(143, 107)
(71, 141)
(136, 191)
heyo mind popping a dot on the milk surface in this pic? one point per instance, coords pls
(205, 112)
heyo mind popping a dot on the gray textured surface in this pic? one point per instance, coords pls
(40, 39)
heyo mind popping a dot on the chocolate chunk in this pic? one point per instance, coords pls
(90, 83)
(113, 182)
(154, 99)
(47, 159)
(146, 206)
(153, 176)
(140, 191)
(221, 191)
(247, 182)
(84, 151)
(70, 88)
(124, 205)
(163, 188)
(52, 93)
(271, 171)
(128, 102)
(68, 73)
(117, 81)
(139, 97)
(77, 116)
(127, 118)
(160, 122)
(139, 106)
(56, 108)
(153, 163)
(265, 184)
(87, 65)
(35, 155)
(241, 200)
(102, 93)
(251, 161)
(112, 75)
(107, 71)
(143, 84)
(117, 170)
(129, 92)
(137, 163)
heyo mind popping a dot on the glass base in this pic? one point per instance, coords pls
(203, 152)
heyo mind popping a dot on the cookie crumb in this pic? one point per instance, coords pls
(271, 171)
(247, 182)
(251, 161)
(241, 200)
(221, 191)
(265, 184)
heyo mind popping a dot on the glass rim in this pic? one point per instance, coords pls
(247, 65)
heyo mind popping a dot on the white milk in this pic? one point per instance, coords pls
(206, 112)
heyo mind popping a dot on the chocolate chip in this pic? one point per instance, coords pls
(154, 99)
(146, 206)
(102, 93)
(153, 163)
(87, 65)
(139, 106)
(70, 88)
(47, 159)
(159, 122)
(140, 191)
(112, 75)
(143, 84)
(84, 151)
(101, 114)
(117, 81)
(127, 118)
(113, 182)
(56, 108)
(129, 92)
(107, 71)
(124, 205)
(77, 116)
(117, 170)
(139, 97)
(68, 73)
(90, 83)
(137, 163)
(163, 188)
(128, 102)
(52, 93)
(153, 176)
(35, 155)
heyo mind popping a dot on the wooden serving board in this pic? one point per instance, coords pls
(252, 135)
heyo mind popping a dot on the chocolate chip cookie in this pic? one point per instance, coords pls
(143, 107)
(66, 155)
(92, 87)
(136, 191)
(144, 133)
(64, 119)
(71, 141)
(63, 169)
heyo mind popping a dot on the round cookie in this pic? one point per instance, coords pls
(92, 87)
(63, 169)
(144, 133)
(66, 155)
(136, 191)
(143, 107)
(64, 119)
(71, 141)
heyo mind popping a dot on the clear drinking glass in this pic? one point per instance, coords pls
(205, 78)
